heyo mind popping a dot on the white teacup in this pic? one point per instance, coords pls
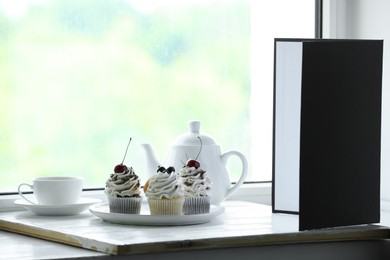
(55, 190)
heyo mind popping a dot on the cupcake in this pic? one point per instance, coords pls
(197, 188)
(164, 191)
(123, 190)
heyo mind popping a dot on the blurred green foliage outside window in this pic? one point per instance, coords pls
(78, 78)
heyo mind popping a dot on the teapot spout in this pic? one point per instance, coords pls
(151, 159)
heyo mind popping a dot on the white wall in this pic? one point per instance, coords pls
(367, 19)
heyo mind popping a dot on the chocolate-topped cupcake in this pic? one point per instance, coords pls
(164, 192)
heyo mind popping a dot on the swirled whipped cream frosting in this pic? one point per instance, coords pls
(195, 181)
(123, 184)
(165, 184)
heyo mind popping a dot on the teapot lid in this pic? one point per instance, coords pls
(191, 138)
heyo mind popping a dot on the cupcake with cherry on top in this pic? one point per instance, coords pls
(197, 187)
(123, 189)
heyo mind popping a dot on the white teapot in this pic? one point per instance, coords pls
(208, 154)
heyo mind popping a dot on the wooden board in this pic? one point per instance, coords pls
(242, 224)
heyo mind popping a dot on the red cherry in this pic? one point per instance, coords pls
(193, 163)
(120, 168)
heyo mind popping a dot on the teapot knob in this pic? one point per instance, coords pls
(194, 126)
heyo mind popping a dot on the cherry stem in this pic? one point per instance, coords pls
(126, 150)
(201, 145)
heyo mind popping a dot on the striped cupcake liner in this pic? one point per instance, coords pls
(124, 205)
(166, 206)
(196, 205)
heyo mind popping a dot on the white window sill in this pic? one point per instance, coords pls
(254, 192)
(251, 192)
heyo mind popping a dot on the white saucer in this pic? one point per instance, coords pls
(144, 218)
(58, 210)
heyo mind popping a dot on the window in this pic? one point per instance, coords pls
(79, 78)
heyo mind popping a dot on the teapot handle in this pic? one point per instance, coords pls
(244, 173)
